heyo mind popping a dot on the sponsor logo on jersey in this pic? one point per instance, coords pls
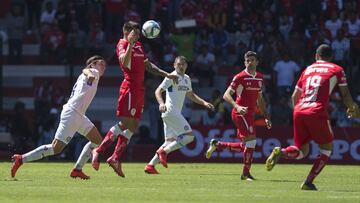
(182, 88)
(186, 127)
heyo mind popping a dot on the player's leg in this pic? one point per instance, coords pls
(43, 151)
(250, 144)
(322, 134)
(94, 138)
(150, 167)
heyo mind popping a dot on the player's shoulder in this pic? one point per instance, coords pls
(259, 75)
(240, 75)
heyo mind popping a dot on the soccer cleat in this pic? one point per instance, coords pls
(95, 159)
(150, 169)
(162, 156)
(211, 149)
(247, 177)
(116, 165)
(75, 173)
(308, 186)
(17, 162)
(273, 158)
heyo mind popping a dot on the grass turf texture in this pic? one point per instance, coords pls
(50, 182)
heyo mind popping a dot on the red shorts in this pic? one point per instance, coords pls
(244, 125)
(130, 103)
(312, 127)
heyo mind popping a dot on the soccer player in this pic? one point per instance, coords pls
(133, 63)
(311, 122)
(248, 87)
(72, 120)
(177, 130)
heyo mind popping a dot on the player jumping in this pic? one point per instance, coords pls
(311, 121)
(248, 85)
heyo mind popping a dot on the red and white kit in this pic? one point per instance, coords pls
(310, 116)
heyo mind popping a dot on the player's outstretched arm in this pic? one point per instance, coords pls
(152, 68)
(353, 108)
(262, 106)
(195, 98)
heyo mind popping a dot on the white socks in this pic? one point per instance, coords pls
(155, 160)
(85, 155)
(38, 153)
(180, 141)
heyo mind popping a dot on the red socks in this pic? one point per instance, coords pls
(319, 164)
(291, 152)
(120, 147)
(106, 143)
(248, 157)
(232, 146)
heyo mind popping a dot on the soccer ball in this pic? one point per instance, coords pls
(150, 29)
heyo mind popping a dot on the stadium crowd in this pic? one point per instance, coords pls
(284, 33)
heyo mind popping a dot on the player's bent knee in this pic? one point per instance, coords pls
(58, 146)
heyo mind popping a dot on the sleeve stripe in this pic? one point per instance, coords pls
(298, 88)
(344, 84)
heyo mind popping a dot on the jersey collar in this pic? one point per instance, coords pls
(250, 74)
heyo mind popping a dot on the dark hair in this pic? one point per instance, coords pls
(251, 53)
(181, 58)
(324, 51)
(130, 25)
(93, 59)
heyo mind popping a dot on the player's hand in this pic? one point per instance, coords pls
(209, 106)
(353, 111)
(90, 78)
(242, 110)
(162, 108)
(175, 78)
(133, 36)
(268, 123)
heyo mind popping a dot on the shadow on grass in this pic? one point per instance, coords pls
(282, 181)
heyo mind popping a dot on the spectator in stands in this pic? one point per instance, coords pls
(33, 14)
(53, 43)
(203, 37)
(204, 66)
(220, 37)
(281, 113)
(96, 40)
(243, 35)
(187, 9)
(62, 17)
(184, 41)
(312, 27)
(76, 42)
(215, 117)
(333, 24)
(15, 24)
(169, 56)
(353, 24)
(285, 71)
(20, 129)
(217, 18)
(115, 11)
(47, 128)
(285, 26)
(131, 14)
(48, 15)
(341, 48)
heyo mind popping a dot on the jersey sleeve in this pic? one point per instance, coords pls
(190, 85)
(341, 77)
(237, 80)
(121, 48)
(166, 83)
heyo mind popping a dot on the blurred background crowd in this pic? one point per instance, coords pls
(212, 34)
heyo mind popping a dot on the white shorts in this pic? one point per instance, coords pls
(71, 122)
(175, 125)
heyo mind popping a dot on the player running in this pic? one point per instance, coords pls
(177, 130)
(72, 120)
(248, 85)
(311, 121)
(133, 63)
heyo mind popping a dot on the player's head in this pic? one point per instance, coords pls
(251, 59)
(97, 62)
(180, 64)
(324, 52)
(130, 26)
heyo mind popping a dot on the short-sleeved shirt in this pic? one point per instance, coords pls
(134, 77)
(247, 88)
(175, 93)
(83, 92)
(316, 83)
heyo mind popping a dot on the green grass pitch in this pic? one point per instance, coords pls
(195, 182)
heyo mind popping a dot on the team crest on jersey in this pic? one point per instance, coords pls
(186, 127)
(133, 111)
(251, 129)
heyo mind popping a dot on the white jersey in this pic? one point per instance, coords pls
(83, 93)
(175, 93)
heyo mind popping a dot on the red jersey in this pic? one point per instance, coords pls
(134, 77)
(317, 82)
(247, 88)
